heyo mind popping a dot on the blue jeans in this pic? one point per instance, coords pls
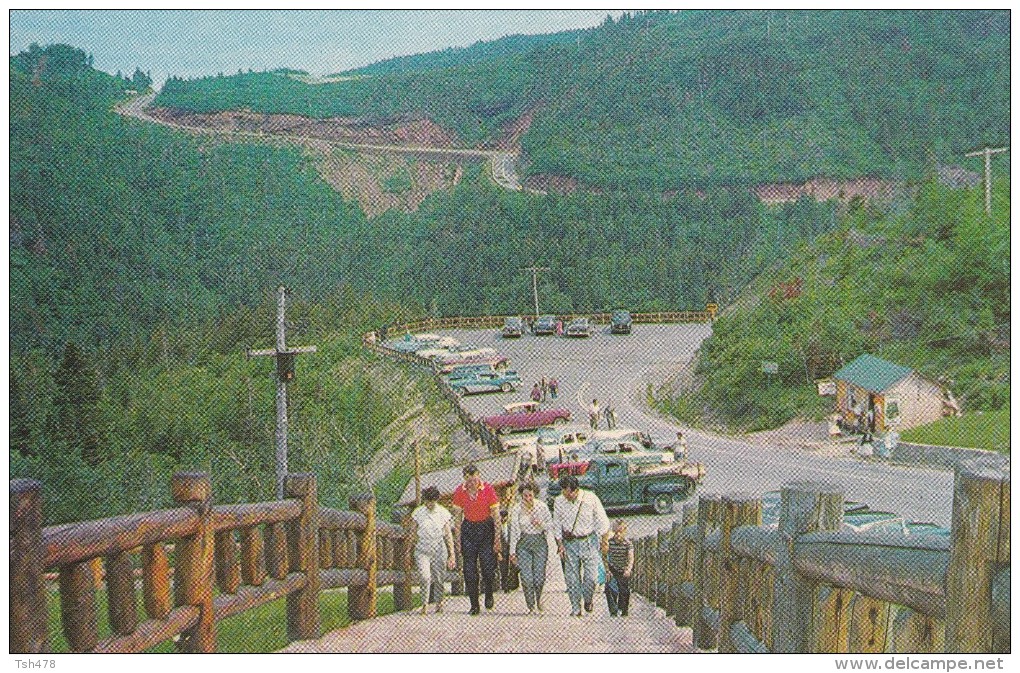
(580, 565)
(532, 551)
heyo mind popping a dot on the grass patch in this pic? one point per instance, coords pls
(976, 430)
(262, 629)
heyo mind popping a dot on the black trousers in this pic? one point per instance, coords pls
(618, 600)
(476, 540)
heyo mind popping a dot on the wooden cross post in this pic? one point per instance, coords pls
(284, 373)
(987, 153)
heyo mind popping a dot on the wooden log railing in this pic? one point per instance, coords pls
(199, 564)
(807, 583)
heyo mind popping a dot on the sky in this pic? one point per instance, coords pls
(190, 43)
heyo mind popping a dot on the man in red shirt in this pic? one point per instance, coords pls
(478, 540)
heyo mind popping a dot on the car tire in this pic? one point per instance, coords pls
(460, 392)
(663, 503)
(560, 421)
(506, 387)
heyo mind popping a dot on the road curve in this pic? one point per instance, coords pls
(605, 366)
(502, 162)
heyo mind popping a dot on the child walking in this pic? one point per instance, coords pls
(620, 559)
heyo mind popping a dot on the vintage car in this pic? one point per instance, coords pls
(467, 371)
(578, 327)
(560, 441)
(464, 351)
(523, 416)
(494, 362)
(546, 324)
(486, 382)
(623, 447)
(513, 327)
(632, 481)
(620, 322)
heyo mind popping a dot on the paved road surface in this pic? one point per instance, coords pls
(618, 366)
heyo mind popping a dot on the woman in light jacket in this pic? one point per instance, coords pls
(529, 522)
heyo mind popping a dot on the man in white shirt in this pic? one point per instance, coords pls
(434, 547)
(581, 528)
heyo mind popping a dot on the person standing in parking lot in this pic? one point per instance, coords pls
(581, 528)
(554, 387)
(593, 415)
(479, 542)
(536, 393)
(610, 413)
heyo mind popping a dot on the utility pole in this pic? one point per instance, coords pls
(987, 153)
(284, 373)
(534, 281)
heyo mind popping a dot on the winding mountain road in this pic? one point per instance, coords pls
(618, 367)
(502, 163)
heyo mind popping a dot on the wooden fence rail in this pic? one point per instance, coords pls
(250, 554)
(807, 583)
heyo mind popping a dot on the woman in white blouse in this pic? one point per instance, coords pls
(529, 521)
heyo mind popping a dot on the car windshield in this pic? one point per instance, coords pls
(513, 322)
(621, 315)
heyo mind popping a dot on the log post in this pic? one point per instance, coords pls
(78, 606)
(665, 560)
(674, 578)
(361, 602)
(805, 507)
(228, 573)
(402, 593)
(156, 581)
(120, 586)
(27, 618)
(913, 632)
(869, 625)
(253, 557)
(705, 637)
(303, 548)
(193, 580)
(325, 548)
(276, 551)
(738, 510)
(980, 528)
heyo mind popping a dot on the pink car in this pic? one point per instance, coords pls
(523, 416)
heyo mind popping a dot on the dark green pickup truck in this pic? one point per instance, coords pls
(620, 481)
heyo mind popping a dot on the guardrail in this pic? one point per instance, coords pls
(496, 321)
(807, 584)
(250, 553)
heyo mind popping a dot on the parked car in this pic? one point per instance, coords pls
(513, 327)
(464, 351)
(558, 442)
(627, 481)
(486, 382)
(467, 371)
(620, 322)
(546, 324)
(522, 416)
(494, 362)
(578, 327)
(624, 447)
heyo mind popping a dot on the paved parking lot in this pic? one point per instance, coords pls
(617, 367)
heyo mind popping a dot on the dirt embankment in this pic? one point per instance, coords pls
(411, 132)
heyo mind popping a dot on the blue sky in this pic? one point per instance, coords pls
(192, 43)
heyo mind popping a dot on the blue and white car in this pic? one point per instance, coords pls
(486, 382)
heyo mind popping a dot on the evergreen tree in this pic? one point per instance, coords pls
(75, 425)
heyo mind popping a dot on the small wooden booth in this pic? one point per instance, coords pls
(877, 395)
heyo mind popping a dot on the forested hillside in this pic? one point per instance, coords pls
(927, 287)
(661, 100)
